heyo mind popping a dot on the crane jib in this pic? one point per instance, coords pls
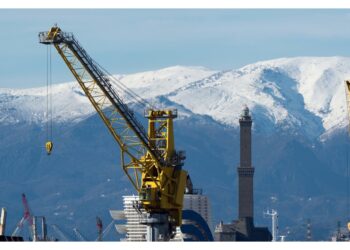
(150, 159)
(103, 81)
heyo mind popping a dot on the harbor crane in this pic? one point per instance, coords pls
(99, 226)
(62, 236)
(149, 159)
(27, 216)
(102, 234)
(347, 94)
(79, 235)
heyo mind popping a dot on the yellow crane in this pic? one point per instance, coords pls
(149, 159)
(347, 93)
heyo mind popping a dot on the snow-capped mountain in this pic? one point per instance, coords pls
(300, 92)
(303, 95)
(291, 99)
(69, 103)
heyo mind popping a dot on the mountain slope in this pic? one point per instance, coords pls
(303, 93)
(300, 95)
(70, 104)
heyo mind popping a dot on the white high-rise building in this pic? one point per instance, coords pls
(134, 231)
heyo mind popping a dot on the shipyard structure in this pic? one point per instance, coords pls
(243, 229)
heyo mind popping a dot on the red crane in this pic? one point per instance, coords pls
(99, 228)
(27, 216)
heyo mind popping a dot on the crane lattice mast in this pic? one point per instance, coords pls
(149, 159)
(27, 216)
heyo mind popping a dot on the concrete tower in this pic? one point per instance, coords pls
(245, 168)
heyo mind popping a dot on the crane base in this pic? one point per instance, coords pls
(158, 227)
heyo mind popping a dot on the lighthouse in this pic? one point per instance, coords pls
(245, 169)
(243, 229)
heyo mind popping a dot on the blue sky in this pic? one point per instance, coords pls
(127, 41)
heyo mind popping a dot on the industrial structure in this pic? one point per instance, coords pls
(39, 233)
(342, 233)
(196, 218)
(243, 229)
(347, 94)
(3, 221)
(37, 227)
(3, 236)
(274, 224)
(149, 159)
(27, 218)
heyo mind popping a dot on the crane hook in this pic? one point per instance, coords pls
(49, 146)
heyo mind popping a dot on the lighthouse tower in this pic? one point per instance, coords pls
(245, 168)
(243, 229)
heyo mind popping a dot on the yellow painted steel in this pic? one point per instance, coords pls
(171, 181)
(347, 92)
(156, 174)
(49, 147)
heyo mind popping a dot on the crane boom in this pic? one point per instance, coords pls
(79, 235)
(347, 93)
(99, 226)
(27, 216)
(59, 232)
(148, 158)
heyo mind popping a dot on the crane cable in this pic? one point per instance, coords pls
(135, 98)
(49, 144)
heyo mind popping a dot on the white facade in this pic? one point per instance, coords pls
(137, 232)
(134, 230)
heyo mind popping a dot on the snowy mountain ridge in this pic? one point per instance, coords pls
(303, 94)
